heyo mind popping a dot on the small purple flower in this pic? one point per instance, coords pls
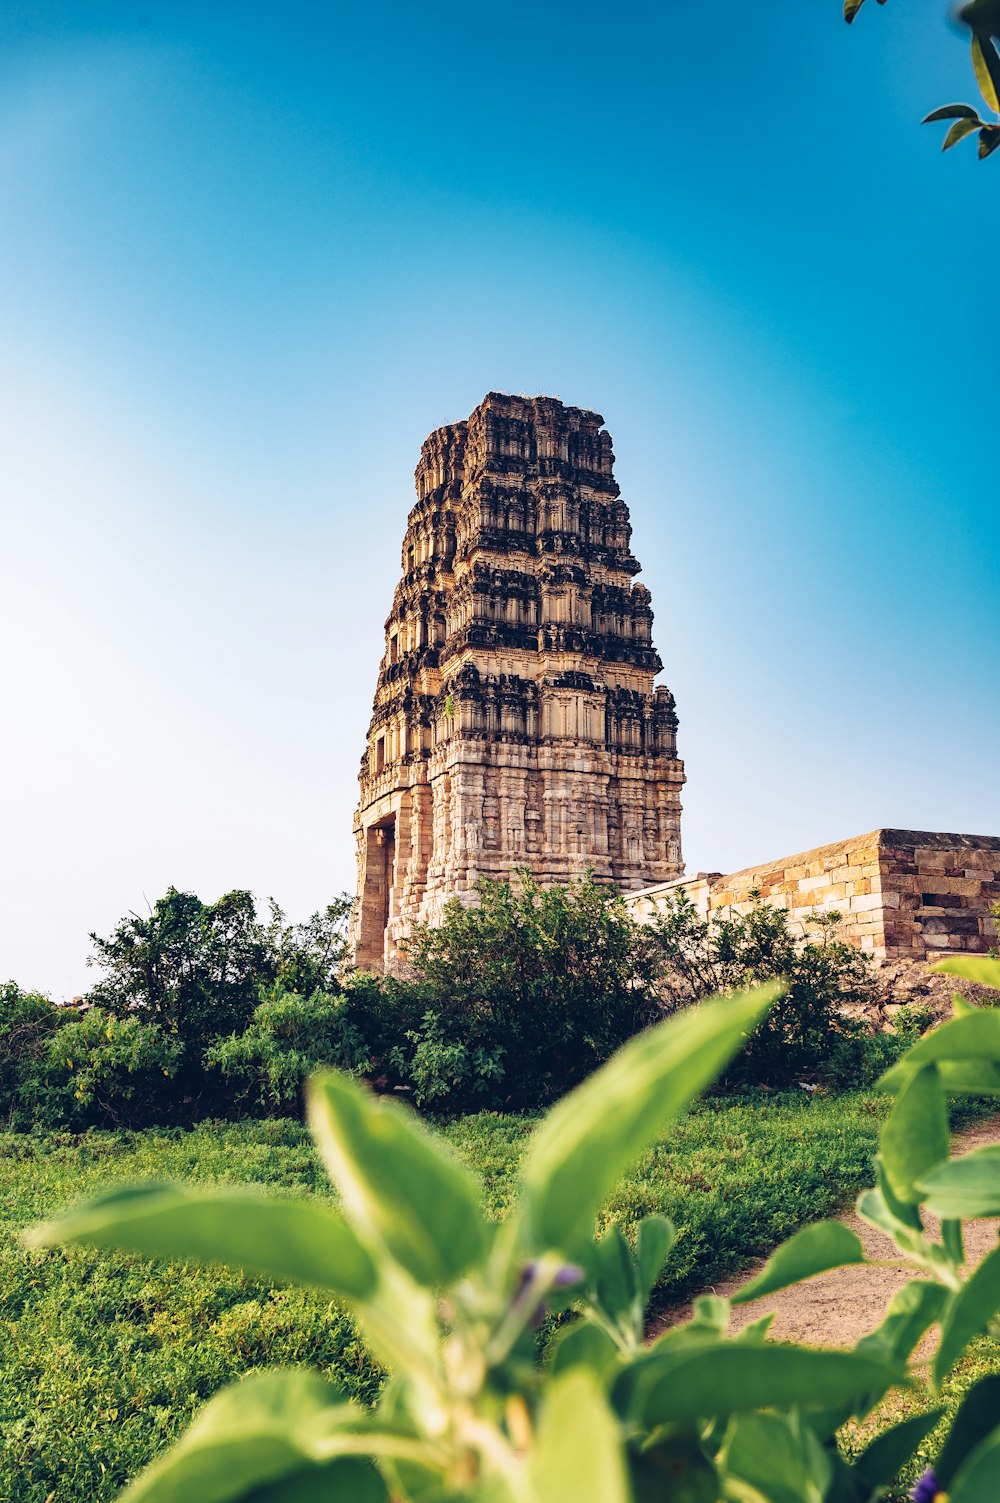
(527, 1276)
(563, 1278)
(568, 1274)
(928, 1489)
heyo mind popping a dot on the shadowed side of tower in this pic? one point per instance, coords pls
(515, 721)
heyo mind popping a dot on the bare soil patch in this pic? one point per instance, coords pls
(839, 1307)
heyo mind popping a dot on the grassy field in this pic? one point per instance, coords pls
(105, 1358)
(981, 1359)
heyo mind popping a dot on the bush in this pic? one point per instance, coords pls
(438, 1069)
(198, 971)
(308, 958)
(289, 1035)
(521, 997)
(106, 1071)
(27, 1022)
(824, 1026)
(194, 968)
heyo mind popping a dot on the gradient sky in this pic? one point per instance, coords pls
(251, 255)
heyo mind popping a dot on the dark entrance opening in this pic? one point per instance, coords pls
(380, 860)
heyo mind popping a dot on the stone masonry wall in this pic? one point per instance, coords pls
(938, 892)
(903, 894)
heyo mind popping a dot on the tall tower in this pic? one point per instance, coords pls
(515, 719)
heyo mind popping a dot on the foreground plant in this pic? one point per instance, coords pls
(451, 1303)
(982, 17)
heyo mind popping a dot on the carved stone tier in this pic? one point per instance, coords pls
(515, 720)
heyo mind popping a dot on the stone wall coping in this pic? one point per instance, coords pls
(941, 840)
(886, 838)
(882, 839)
(709, 878)
(870, 840)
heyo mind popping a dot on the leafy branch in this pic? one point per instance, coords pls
(983, 19)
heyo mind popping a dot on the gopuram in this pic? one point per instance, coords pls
(515, 721)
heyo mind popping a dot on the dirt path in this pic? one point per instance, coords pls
(839, 1307)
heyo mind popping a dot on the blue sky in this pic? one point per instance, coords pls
(250, 256)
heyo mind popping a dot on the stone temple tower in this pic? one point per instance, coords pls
(515, 719)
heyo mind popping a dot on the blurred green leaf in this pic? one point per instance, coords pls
(620, 1280)
(953, 1239)
(590, 1138)
(349, 1479)
(711, 1311)
(989, 140)
(883, 1457)
(970, 1312)
(615, 1275)
(268, 1429)
(979, 968)
(578, 1452)
(880, 1208)
(973, 1039)
(978, 1478)
(816, 1249)
(969, 1077)
(915, 1136)
(655, 1238)
(417, 1480)
(986, 65)
(966, 1186)
(757, 1331)
(674, 1466)
(302, 1241)
(977, 1418)
(402, 1190)
(778, 1456)
(584, 1344)
(642, 1369)
(723, 1378)
(903, 1210)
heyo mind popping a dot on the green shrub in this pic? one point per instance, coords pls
(824, 1026)
(524, 994)
(103, 1070)
(439, 1069)
(307, 958)
(266, 1066)
(198, 971)
(27, 1022)
(193, 968)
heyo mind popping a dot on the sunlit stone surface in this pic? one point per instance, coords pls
(515, 720)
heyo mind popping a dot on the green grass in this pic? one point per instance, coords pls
(980, 1360)
(105, 1358)
(736, 1174)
